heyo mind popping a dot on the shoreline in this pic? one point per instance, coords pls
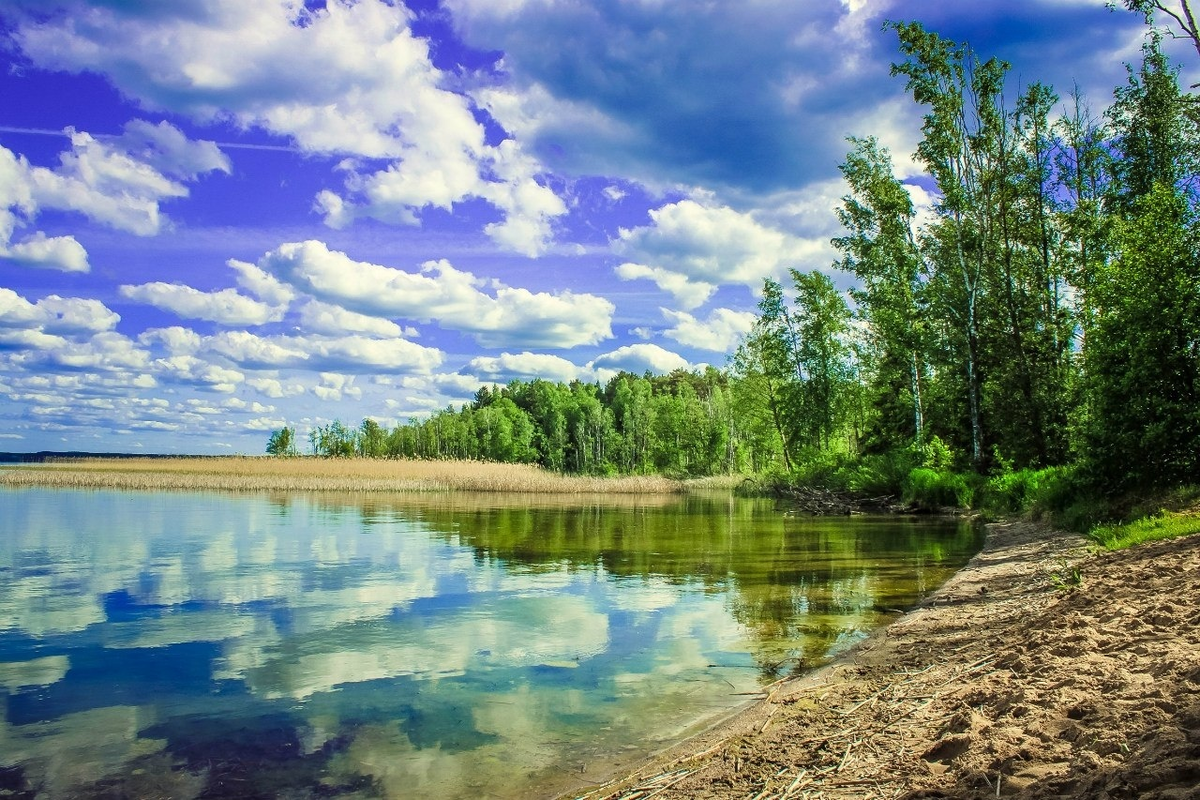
(1010, 680)
(309, 474)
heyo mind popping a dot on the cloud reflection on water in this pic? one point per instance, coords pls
(444, 643)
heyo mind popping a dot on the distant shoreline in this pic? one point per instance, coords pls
(311, 474)
(42, 456)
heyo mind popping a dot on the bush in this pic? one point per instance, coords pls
(878, 475)
(1038, 491)
(819, 469)
(933, 489)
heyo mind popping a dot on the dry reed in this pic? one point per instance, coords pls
(265, 474)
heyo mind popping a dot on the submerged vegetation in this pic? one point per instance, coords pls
(1026, 341)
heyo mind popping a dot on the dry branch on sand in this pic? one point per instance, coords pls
(1002, 685)
(319, 474)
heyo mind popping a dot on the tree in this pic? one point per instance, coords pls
(1143, 357)
(1155, 139)
(821, 325)
(282, 442)
(1179, 13)
(1142, 354)
(371, 441)
(766, 366)
(961, 149)
(334, 440)
(880, 249)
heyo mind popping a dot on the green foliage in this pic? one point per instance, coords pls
(1038, 326)
(1147, 529)
(333, 440)
(1010, 491)
(931, 489)
(1067, 577)
(880, 474)
(282, 443)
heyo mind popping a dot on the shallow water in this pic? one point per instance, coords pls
(190, 645)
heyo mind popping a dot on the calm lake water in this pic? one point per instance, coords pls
(201, 645)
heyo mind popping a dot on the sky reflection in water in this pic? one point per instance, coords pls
(189, 644)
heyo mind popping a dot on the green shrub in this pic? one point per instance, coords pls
(818, 468)
(932, 489)
(878, 475)
(1038, 491)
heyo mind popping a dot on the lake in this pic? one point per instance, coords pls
(442, 646)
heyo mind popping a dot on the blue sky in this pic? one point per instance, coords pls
(218, 217)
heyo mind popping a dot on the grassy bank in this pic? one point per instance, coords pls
(925, 480)
(359, 475)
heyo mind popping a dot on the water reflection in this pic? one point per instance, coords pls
(442, 646)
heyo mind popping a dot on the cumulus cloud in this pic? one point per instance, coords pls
(105, 351)
(452, 298)
(54, 252)
(330, 320)
(637, 358)
(750, 98)
(121, 189)
(689, 248)
(349, 354)
(119, 182)
(17, 208)
(334, 387)
(166, 149)
(55, 315)
(226, 306)
(349, 78)
(260, 284)
(689, 292)
(526, 366)
(720, 333)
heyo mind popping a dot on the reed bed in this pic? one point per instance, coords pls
(359, 475)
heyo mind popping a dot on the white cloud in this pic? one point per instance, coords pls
(17, 207)
(637, 358)
(176, 340)
(166, 148)
(507, 366)
(54, 314)
(106, 351)
(102, 181)
(119, 182)
(720, 332)
(199, 372)
(330, 320)
(349, 78)
(226, 306)
(690, 293)
(56, 252)
(690, 247)
(263, 286)
(351, 354)
(275, 388)
(334, 387)
(440, 293)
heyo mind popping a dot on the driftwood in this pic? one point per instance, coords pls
(829, 502)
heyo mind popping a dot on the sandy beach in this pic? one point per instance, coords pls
(1039, 670)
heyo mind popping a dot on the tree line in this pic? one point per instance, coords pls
(1044, 312)
(679, 424)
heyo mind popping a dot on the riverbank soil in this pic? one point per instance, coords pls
(1038, 671)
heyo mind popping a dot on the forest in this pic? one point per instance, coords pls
(1035, 331)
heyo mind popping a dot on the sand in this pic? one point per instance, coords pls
(1013, 680)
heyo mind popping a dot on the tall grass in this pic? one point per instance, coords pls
(1148, 529)
(264, 474)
